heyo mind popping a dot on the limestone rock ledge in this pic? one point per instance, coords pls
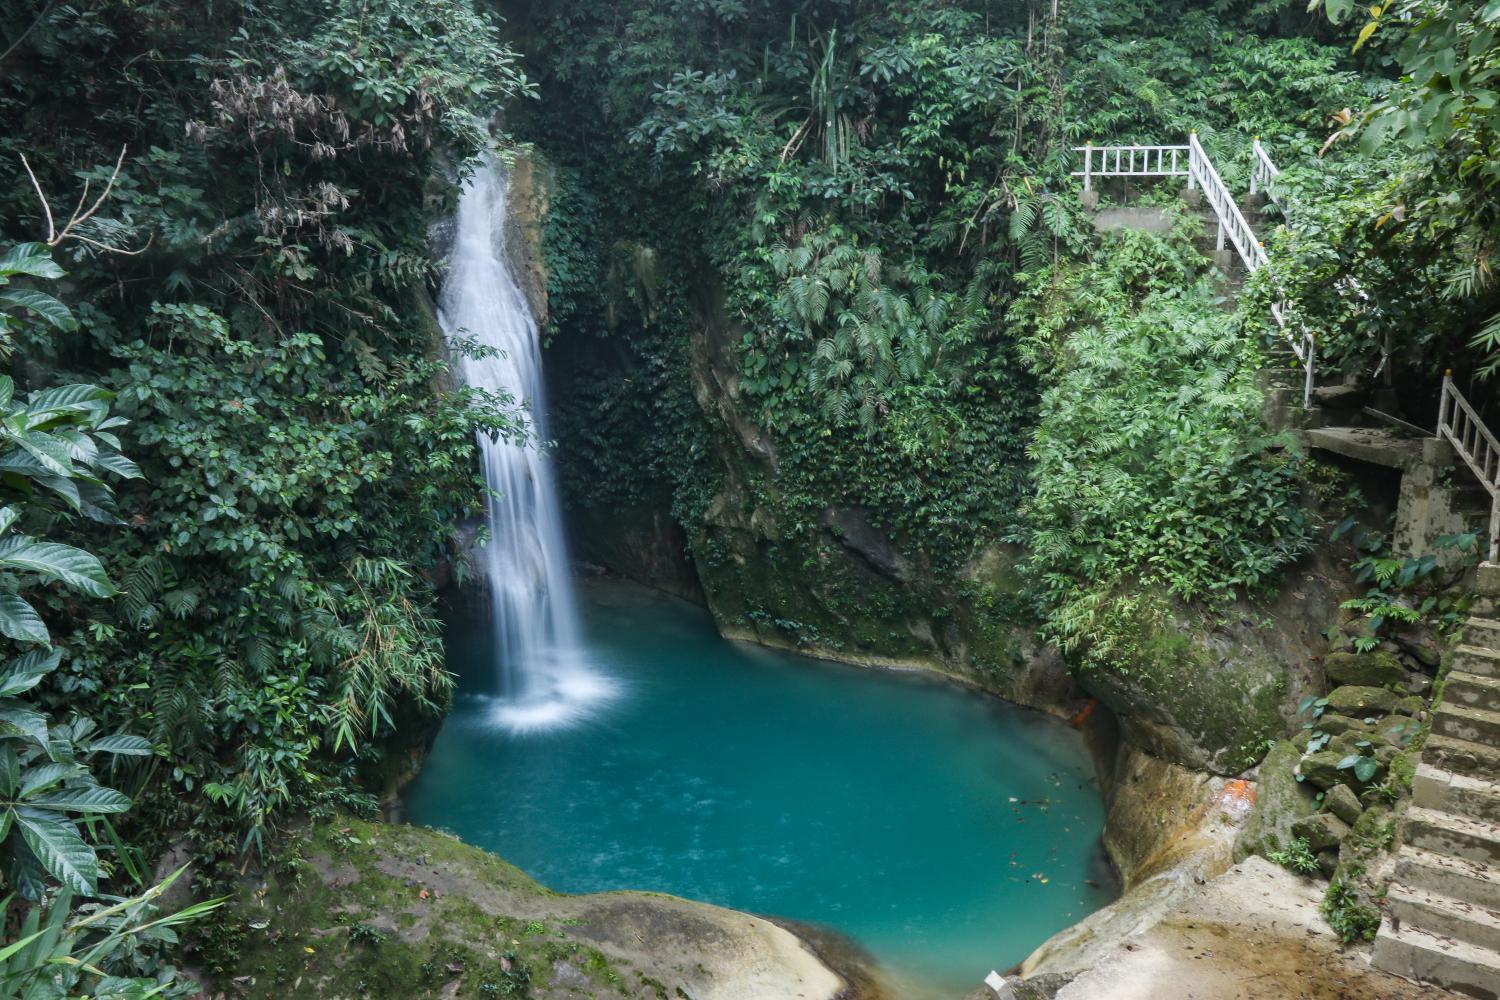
(377, 910)
(1253, 933)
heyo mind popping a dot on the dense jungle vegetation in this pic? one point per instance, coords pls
(235, 461)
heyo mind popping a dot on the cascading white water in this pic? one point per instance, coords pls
(544, 678)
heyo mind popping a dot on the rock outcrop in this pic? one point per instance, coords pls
(376, 910)
(1253, 933)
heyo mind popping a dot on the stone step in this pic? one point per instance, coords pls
(1430, 958)
(1455, 836)
(1473, 724)
(1461, 756)
(1461, 794)
(1453, 877)
(1477, 660)
(1436, 913)
(1483, 632)
(1472, 691)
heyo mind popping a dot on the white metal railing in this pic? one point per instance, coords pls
(1192, 162)
(1262, 171)
(1232, 221)
(1131, 161)
(1263, 174)
(1462, 428)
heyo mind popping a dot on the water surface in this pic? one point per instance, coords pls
(946, 832)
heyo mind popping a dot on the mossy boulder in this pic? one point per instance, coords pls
(1360, 701)
(358, 909)
(1373, 669)
(1321, 769)
(1343, 803)
(1337, 725)
(1322, 831)
(1280, 801)
(1411, 705)
(1210, 693)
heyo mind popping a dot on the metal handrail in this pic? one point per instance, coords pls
(1130, 161)
(1231, 220)
(1136, 161)
(1262, 171)
(1472, 440)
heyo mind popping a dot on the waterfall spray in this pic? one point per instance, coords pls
(544, 678)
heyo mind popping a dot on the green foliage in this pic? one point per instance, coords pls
(306, 456)
(115, 950)
(1426, 236)
(29, 260)
(1152, 470)
(1350, 919)
(56, 446)
(1296, 856)
(1408, 591)
(868, 211)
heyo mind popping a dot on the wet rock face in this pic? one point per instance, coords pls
(1212, 689)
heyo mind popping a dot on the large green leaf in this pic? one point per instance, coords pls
(26, 871)
(23, 673)
(20, 462)
(53, 453)
(19, 621)
(10, 771)
(59, 848)
(122, 745)
(78, 396)
(35, 780)
(118, 464)
(30, 258)
(63, 487)
(93, 799)
(16, 717)
(72, 566)
(44, 305)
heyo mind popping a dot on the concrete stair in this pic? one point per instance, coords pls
(1472, 691)
(1433, 958)
(1442, 919)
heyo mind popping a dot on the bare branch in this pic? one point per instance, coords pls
(80, 214)
(46, 208)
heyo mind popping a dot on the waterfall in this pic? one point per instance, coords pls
(544, 679)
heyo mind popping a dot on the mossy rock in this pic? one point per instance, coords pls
(1322, 831)
(1373, 669)
(356, 909)
(1360, 701)
(1280, 801)
(1322, 769)
(1343, 803)
(1411, 705)
(1337, 725)
(1193, 697)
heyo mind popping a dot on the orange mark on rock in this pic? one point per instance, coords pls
(1239, 792)
(1085, 712)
